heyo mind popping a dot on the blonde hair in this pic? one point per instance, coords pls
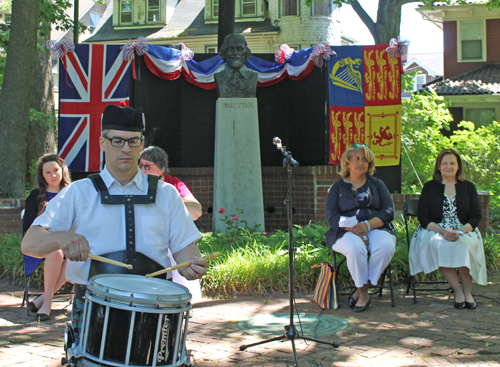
(346, 157)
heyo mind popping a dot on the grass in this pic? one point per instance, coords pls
(257, 263)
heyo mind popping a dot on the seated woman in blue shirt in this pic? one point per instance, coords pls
(368, 199)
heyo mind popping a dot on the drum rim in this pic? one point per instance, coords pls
(137, 298)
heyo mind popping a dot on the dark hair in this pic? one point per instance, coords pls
(41, 184)
(156, 155)
(437, 173)
(222, 51)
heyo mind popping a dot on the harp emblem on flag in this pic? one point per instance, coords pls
(345, 75)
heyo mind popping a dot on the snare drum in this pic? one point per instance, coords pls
(130, 320)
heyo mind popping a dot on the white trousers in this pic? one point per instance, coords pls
(382, 247)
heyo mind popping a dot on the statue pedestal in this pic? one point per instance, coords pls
(237, 171)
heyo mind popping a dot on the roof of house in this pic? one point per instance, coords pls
(84, 6)
(432, 62)
(483, 80)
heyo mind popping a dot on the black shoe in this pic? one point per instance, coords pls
(470, 305)
(32, 307)
(460, 305)
(362, 308)
(352, 301)
(42, 317)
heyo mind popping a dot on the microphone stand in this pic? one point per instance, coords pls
(291, 332)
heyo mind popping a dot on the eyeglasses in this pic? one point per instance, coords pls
(357, 145)
(146, 167)
(120, 142)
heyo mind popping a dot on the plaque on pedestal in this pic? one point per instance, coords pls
(237, 171)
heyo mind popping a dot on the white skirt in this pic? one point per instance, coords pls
(429, 251)
(193, 286)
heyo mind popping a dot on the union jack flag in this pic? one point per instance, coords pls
(92, 77)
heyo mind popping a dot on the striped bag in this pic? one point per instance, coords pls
(325, 294)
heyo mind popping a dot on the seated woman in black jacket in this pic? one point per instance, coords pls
(367, 198)
(447, 237)
(52, 176)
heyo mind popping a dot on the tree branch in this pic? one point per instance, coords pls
(365, 18)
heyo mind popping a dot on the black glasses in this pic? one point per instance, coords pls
(120, 142)
(357, 145)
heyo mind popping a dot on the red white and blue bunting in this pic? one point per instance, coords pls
(169, 63)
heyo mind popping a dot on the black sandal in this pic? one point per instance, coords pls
(32, 307)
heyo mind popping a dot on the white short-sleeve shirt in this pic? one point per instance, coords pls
(77, 208)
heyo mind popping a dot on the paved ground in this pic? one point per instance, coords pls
(428, 333)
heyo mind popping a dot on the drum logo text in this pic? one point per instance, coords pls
(163, 354)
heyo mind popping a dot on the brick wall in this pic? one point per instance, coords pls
(10, 215)
(309, 190)
(451, 65)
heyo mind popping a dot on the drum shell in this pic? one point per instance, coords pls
(137, 324)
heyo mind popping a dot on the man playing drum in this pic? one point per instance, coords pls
(88, 215)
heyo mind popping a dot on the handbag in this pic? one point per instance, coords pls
(325, 294)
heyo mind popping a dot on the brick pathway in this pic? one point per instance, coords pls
(428, 333)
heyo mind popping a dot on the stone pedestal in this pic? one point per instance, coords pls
(237, 171)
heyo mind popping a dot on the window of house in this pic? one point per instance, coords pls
(480, 116)
(215, 8)
(153, 10)
(7, 18)
(126, 11)
(94, 21)
(289, 7)
(321, 8)
(419, 81)
(472, 41)
(248, 7)
(210, 49)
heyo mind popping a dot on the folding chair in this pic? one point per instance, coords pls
(410, 209)
(30, 265)
(374, 289)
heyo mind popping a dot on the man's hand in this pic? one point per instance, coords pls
(196, 270)
(74, 246)
(198, 266)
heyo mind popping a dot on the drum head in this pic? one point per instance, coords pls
(138, 290)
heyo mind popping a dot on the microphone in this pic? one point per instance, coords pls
(277, 142)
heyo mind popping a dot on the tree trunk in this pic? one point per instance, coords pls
(226, 20)
(388, 19)
(16, 94)
(41, 135)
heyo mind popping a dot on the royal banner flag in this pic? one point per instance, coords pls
(365, 102)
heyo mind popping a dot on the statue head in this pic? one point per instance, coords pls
(234, 51)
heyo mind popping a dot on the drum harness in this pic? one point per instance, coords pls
(141, 263)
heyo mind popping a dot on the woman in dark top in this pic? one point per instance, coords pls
(52, 177)
(366, 198)
(447, 237)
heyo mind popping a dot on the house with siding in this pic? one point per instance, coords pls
(428, 65)
(471, 79)
(266, 24)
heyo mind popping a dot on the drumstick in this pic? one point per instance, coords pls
(109, 261)
(182, 265)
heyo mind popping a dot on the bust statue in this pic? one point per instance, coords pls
(236, 80)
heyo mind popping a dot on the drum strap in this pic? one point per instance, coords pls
(128, 201)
